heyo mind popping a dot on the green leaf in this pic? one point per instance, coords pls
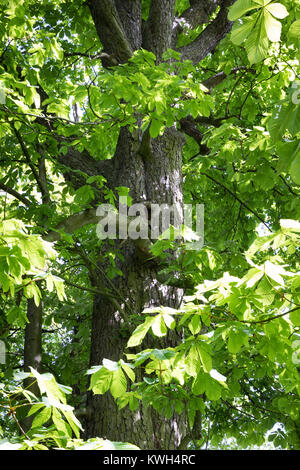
(193, 361)
(41, 418)
(295, 169)
(48, 385)
(195, 324)
(163, 354)
(203, 383)
(133, 403)
(84, 195)
(118, 384)
(212, 388)
(295, 317)
(140, 332)
(205, 357)
(60, 423)
(158, 326)
(156, 128)
(257, 43)
(32, 290)
(294, 30)
(273, 27)
(60, 288)
(235, 341)
(198, 387)
(239, 8)
(129, 371)
(101, 381)
(73, 422)
(16, 315)
(35, 408)
(277, 9)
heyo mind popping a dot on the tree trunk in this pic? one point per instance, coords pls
(150, 179)
(32, 355)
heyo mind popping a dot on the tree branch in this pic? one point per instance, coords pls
(210, 37)
(110, 29)
(190, 128)
(15, 194)
(198, 13)
(72, 223)
(28, 159)
(107, 60)
(76, 221)
(267, 320)
(130, 14)
(157, 30)
(215, 80)
(237, 198)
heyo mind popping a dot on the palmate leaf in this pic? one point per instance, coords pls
(236, 339)
(204, 383)
(257, 43)
(100, 381)
(294, 31)
(277, 9)
(273, 27)
(140, 332)
(295, 168)
(258, 28)
(118, 383)
(55, 406)
(41, 418)
(239, 8)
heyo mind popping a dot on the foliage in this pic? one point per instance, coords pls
(236, 331)
(54, 422)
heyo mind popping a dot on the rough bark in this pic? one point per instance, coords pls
(33, 334)
(157, 32)
(208, 40)
(32, 354)
(110, 29)
(157, 180)
(198, 13)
